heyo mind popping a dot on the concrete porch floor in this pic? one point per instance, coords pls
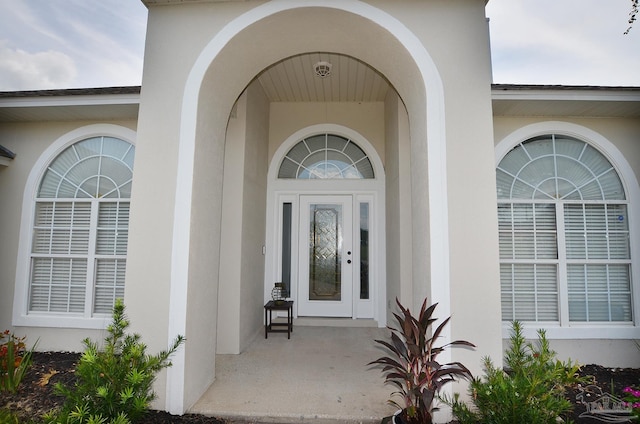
(319, 376)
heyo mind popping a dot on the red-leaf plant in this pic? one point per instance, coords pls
(412, 365)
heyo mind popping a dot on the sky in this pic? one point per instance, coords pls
(58, 44)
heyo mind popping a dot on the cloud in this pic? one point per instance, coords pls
(106, 58)
(71, 43)
(570, 42)
(21, 70)
(80, 43)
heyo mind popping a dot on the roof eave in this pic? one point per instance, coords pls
(71, 97)
(564, 92)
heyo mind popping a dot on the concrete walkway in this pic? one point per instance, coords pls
(319, 376)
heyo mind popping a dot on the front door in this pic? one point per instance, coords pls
(326, 256)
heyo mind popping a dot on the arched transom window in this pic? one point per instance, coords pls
(80, 229)
(564, 234)
(326, 156)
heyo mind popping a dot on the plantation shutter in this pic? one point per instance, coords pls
(597, 242)
(59, 267)
(529, 256)
(111, 251)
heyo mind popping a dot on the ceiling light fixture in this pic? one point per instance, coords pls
(322, 69)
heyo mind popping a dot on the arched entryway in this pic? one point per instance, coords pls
(221, 73)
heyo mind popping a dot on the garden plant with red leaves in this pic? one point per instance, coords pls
(15, 360)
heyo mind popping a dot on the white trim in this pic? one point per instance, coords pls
(71, 100)
(273, 267)
(366, 308)
(436, 158)
(632, 190)
(582, 331)
(21, 294)
(574, 93)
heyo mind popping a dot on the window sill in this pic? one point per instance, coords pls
(61, 321)
(576, 331)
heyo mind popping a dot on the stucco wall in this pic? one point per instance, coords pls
(231, 232)
(254, 215)
(608, 353)
(176, 36)
(475, 301)
(242, 265)
(365, 118)
(398, 188)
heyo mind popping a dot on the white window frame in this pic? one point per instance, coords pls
(307, 165)
(629, 180)
(21, 315)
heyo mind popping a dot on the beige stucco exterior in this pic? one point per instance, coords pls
(185, 94)
(206, 135)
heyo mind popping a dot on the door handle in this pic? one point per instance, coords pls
(348, 261)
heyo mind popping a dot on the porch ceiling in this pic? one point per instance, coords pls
(295, 80)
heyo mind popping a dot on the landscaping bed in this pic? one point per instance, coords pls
(35, 395)
(610, 380)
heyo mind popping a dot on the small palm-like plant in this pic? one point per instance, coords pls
(413, 367)
(114, 381)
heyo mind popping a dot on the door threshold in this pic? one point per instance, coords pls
(334, 322)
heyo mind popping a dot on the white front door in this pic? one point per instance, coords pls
(326, 256)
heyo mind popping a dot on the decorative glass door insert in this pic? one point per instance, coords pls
(325, 277)
(325, 252)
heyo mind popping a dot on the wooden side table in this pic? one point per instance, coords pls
(276, 327)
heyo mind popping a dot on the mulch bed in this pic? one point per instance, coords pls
(35, 395)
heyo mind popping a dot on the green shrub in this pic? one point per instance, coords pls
(114, 383)
(530, 390)
(15, 360)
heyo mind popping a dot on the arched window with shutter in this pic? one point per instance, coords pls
(80, 229)
(564, 234)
